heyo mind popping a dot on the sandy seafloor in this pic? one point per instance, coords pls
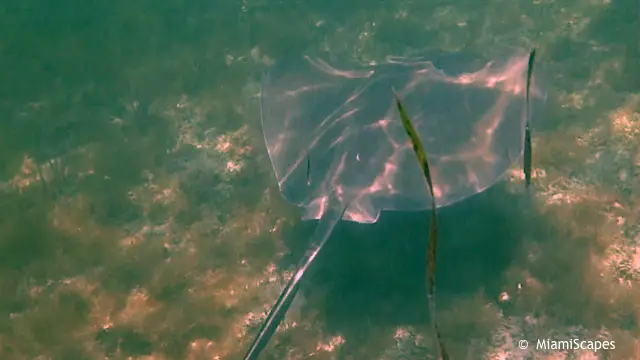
(140, 218)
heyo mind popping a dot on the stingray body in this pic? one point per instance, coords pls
(339, 149)
(330, 129)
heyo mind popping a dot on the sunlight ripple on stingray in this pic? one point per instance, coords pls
(345, 125)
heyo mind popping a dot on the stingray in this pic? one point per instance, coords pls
(339, 150)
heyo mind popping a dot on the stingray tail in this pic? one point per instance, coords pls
(282, 305)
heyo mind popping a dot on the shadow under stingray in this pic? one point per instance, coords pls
(374, 275)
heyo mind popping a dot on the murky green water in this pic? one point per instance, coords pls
(139, 216)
